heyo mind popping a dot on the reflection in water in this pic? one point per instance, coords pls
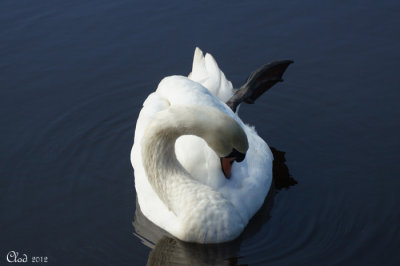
(167, 250)
(170, 251)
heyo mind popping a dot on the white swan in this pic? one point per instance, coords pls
(183, 130)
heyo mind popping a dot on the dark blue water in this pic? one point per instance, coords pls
(74, 74)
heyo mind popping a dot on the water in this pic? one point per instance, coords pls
(74, 74)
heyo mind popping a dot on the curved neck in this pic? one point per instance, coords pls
(166, 175)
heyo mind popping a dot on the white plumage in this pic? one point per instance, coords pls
(202, 205)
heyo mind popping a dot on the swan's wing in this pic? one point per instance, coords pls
(205, 71)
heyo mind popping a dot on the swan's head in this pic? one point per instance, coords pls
(227, 138)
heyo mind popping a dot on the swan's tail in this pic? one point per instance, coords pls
(205, 71)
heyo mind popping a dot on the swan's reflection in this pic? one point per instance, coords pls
(167, 250)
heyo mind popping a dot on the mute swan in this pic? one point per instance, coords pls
(200, 172)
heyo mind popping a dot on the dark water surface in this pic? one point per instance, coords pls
(74, 74)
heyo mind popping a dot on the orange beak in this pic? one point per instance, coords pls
(226, 164)
(227, 161)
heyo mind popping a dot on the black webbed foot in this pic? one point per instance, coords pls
(258, 82)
